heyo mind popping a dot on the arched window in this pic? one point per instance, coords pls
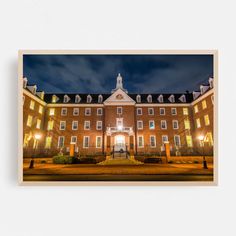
(77, 99)
(100, 98)
(89, 99)
(172, 98)
(66, 99)
(149, 98)
(138, 98)
(160, 98)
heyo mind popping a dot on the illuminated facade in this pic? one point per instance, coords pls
(117, 121)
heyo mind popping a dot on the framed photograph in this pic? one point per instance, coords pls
(144, 117)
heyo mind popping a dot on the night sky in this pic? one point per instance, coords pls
(97, 73)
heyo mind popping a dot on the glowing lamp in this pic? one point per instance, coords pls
(201, 137)
(37, 136)
(119, 127)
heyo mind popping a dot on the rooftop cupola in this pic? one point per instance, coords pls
(119, 84)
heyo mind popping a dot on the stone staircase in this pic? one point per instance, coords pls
(120, 161)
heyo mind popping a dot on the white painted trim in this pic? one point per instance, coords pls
(142, 141)
(164, 111)
(165, 135)
(177, 124)
(137, 124)
(98, 121)
(101, 112)
(165, 125)
(149, 124)
(59, 140)
(87, 108)
(65, 109)
(74, 105)
(84, 141)
(163, 105)
(73, 137)
(96, 141)
(85, 125)
(61, 123)
(139, 108)
(74, 111)
(179, 140)
(37, 99)
(154, 140)
(151, 108)
(74, 121)
(174, 108)
(211, 91)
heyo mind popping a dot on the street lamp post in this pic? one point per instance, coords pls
(201, 139)
(37, 137)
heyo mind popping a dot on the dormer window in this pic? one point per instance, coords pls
(138, 98)
(100, 98)
(89, 99)
(54, 98)
(160, 99)
(195, 95)
(66, 99)
(77, 99)
(149, 98)
(183, 98)
(211, 82)
(172, 98)
(202, 89)
(25, 82)
(34, 89)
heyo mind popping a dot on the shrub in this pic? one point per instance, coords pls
(62, 159)
(43, 162)
(170, 161)
(195, 161)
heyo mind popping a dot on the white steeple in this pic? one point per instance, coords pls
(119, 84)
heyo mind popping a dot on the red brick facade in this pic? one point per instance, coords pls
(119, 117)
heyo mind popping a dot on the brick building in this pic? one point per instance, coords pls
(106, 123)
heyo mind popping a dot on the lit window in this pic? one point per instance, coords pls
(40, 109)
(73, 139)
(196, 108)
(54, 98)
(32, 103)
(151, 124)
(38, 124)
(64, 111)
(173, 111)
(119, 110)
(62, 125)
(61, 141)
(189, 140)
(76, 111)
(204, 104)
(150, 111)
(186, 124)
(29, 120)
(86, 142)
(87, 111)
(119, 122)
(98, 141)
(140, 142)
(74, 125)
(164, 138)
(175, 124)
(140, 124)
(51, 111)
(177, 140)
(209, 138)
(99, 111)
(185, 111)
(139, 111)
(26, 140)
(50, 124)
(152, 141)
(206, 119)
(87, 125)
(48, 142)
(99, 125)
(162, 111)
(198, 123)
(163, 124)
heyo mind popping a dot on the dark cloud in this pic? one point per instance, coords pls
(97, 73)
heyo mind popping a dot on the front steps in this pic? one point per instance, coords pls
(120, 162)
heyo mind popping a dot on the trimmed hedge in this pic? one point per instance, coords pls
(62, 159)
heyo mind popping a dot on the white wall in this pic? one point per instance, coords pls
(183, 24)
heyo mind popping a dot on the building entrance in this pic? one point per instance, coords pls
(119, 144)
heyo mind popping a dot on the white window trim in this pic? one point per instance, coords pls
(85, 125)
(61, 123)
(179, 140)
(84, 141)
(59, 141)
(98, 121)
(117, 109)
(142, 141)
(141, 125)
(65, 109)
(165, 124)
(72, 138)
(87, 109)
(75, 109)
(164, 136)
(139, 109)
(154, 141)
(173, 121)
(173, 108)
(153, 124)
(151, 109)
(97, 141)
(98, 112)
(162, 108)
(75, 121)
